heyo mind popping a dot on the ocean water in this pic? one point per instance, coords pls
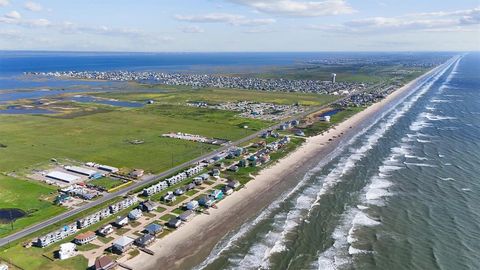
(401, 194)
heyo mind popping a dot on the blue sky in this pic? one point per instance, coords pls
(240, 25)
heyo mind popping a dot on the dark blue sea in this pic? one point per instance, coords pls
(401, 194)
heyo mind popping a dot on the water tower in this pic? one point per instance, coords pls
(333, 77)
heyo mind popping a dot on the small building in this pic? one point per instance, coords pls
(243, 163)
(216, 173)
(227, 190)
(67, 250)
(64, 177)
(121, 221)
(144, 240)
(198, 181)
(135, 214)
(170, 197)
(295, 123)
(148, 206)
(179, 191)
(325, 118)
(154, 229)
(106, 230)
(174, 223)
(206, 201)
(85, 238)
(80, 170)
(234, 168)
(137, 173)
(107, 168)
(299, 133)
(190, 186)
(192, 205)
(233, 184)
(104, 263)
(3, 266)
(186, 216)
(217, 194)
(122, 244)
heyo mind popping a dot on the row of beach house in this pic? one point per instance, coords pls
(149, 191)
(72, 228)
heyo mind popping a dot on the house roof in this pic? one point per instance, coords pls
(104, 262)
(153, 227)
(123, 241)
(144, 239)
(85, 235)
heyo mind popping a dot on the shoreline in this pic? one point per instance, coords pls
(190, 244)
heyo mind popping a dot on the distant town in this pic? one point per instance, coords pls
(216, 81)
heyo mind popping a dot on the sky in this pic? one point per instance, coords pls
(240, 25)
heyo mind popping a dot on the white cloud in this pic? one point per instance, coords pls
(233, 19)
(194, 29)
(4, 3)
(297, 8)
(434, 21)
(33, 6)
(14, 15)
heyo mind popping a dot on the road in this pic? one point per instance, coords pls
(149, 180)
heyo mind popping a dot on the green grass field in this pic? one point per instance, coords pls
(31, 197)
(104, 137)
(106, 183)
(183, 94)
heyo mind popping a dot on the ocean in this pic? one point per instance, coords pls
(401, 194)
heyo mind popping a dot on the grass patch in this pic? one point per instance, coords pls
(167, 217)
(87, 247)
(29, 196)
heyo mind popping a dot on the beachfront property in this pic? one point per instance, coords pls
(174, 223)
(106, 230)
(135, 214)
(144, 240)
(104, 263)
(206, 201)
(85, 238)
(57, 235)
(153, 229)
(233, 184)
(94, 218)
(67, 250)
(227, 190)
(192, 205)
(186, 216)
(122, 244)
(114, 208)
(217, 194)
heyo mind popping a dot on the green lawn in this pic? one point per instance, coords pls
(106, 183)
(33, 198)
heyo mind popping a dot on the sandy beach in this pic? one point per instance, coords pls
(191, 243)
